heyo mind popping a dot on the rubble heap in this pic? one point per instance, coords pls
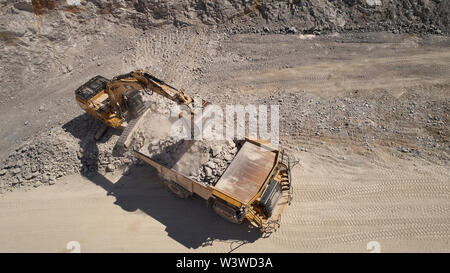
(201, 160)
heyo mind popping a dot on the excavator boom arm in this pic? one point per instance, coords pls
(161, 88)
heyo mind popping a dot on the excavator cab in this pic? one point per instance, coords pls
(89, 90)
(134, 103)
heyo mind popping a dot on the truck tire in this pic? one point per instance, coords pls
(226, 212)
(176, 189)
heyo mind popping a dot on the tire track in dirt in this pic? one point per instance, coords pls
(432, 231)
(380, 192)
(173, 55)
(331, 211)
(175, 71)
(350, 221)
(343, 74)
(346, 210)
(320, 183)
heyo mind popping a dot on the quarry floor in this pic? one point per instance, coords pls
(348, 190)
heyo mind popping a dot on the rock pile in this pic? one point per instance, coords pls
(40, 160)
(365, 121)
(203, 161)
(59, 152)
(221, 156)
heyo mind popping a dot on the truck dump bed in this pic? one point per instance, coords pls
(251, 182)
(247, 172)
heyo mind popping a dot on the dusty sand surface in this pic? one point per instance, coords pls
(367, 115)
(338, 206)
(348, 190)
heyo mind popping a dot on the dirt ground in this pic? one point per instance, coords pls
(337, 207)
(365, 114)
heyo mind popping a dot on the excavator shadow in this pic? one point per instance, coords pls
(188, 221)
(84, 128)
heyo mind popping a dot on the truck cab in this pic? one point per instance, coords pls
(255, 186)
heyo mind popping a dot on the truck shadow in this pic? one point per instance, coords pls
(188, 221)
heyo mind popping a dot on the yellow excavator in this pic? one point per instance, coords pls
(119, 100)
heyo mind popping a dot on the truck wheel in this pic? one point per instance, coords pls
(177, 190)
(226, 212)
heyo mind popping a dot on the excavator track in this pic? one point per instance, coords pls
(124, 139)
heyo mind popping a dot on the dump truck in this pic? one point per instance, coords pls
(255, 186)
